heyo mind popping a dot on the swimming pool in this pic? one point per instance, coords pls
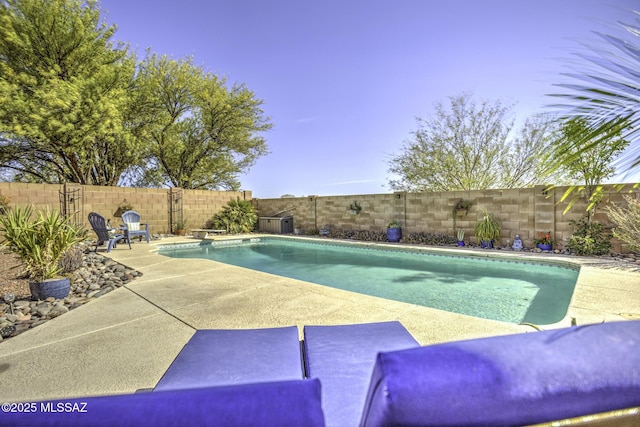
(502, 289)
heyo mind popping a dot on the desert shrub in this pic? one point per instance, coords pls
(238, 216)
(435, 239)
(589, 238)
(627, 222)
(365, 235)
(71, 259)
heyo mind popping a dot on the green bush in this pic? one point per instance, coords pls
(237, 217)
(589, 238)
(40, 239)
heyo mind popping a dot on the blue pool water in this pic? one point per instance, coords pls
(491, 288)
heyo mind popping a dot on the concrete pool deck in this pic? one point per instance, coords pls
(125, 340)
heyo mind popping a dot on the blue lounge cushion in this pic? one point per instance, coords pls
(342, 357)
(214, 357)
(276, 404)
(509, 380)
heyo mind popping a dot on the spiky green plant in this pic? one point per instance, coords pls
(487, 228)
(238, 216)
(39, 240)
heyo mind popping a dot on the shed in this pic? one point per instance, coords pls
(277, 224)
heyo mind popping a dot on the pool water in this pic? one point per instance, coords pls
(491, 288)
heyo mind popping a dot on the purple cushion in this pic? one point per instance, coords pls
(291, 403)
(215, 357)
(509, 380)
(342, 357)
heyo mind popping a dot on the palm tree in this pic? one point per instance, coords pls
(606, 93)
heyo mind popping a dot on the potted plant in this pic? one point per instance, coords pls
(122, 208)
(461, 208)
(40, 243)
(355, 208)
(487, 230)
(324, 231)
(180, 228)
(544, 241)
(394, 231)
(460, 236)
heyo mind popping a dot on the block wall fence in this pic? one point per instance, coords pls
(524, 211)
(160, 207)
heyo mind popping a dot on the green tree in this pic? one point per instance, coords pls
(604, 89)
(593, 163)
(202, 133)
(64, 87)
(469, 147)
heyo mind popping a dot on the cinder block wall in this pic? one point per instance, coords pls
(152, 203)
(524, 211)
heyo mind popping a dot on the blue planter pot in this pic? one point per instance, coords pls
(544, 247)
(460, 243)
(56, 288)
(486, 244)
(394, 234)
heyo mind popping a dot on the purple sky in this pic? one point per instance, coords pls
(344, 80)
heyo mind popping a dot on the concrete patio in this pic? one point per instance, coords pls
(124, 341)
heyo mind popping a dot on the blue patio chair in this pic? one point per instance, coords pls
(132, 226)
(104, 233)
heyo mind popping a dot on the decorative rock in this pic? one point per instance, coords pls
(43, 309)
(98, 274)
(57, 310)
(103, 291)
(24, 318)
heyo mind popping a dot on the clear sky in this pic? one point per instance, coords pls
(344, 80)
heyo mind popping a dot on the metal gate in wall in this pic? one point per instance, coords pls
(72, 203)
(174, 202)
